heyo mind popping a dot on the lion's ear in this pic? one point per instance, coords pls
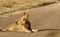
(24, 13)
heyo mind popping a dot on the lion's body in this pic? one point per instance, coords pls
(22, 24)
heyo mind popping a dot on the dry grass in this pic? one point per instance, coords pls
(7, 6)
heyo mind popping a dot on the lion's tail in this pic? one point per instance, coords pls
(3, 30)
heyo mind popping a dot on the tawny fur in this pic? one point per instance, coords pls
(21, 25)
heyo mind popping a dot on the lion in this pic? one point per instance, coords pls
(21, 25)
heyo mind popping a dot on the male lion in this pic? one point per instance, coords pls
(21, 25)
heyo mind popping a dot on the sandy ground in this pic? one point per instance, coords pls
(46, 19)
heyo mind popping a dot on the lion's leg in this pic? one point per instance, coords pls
(19, 30)
(23, 30)
(34, 30)
(26, 30)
